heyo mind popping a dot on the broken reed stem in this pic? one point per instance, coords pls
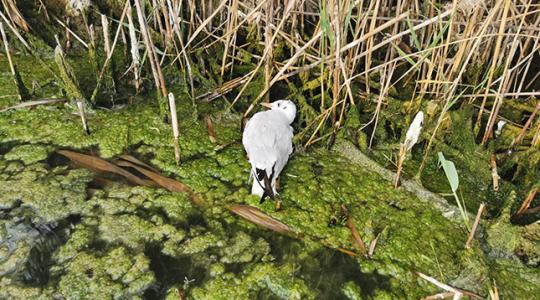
(494, 174)
(401, 159)
(475, 225)
(80, 106)
(174, 123)
(525, 205)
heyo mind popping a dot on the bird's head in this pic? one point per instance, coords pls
(286, 106)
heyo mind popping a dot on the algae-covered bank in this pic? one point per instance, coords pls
(106, 194)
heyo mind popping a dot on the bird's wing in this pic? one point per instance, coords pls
(266, 138)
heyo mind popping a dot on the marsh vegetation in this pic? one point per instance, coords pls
(122, 172)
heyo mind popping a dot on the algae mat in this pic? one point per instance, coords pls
(67, 232)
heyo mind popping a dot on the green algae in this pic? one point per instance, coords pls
(28, 154)
(48, 196)
(227, 257)
(89, 276)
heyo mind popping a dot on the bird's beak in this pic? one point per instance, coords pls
(266, 104)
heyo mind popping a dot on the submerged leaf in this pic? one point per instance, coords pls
(165, 182)
(450, 171)
(256, 216)
(136, 161)
(98, 164)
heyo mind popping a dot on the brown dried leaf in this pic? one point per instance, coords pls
(211, 131)
(373, 244)
(98, 164)
(256, 216)
(165, 182)
(135, 160)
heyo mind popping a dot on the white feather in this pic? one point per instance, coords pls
(413, 132)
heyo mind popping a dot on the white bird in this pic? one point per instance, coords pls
(267, 139)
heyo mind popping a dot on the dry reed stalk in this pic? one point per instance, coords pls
(269, 43)
(176, 30)
(494, 174)
(232, 19)
(370, 42)
(452, 89)
(201, 26)
(443, 295)
(528, 124)
(22, 92)
(109, 53)
(106, 38)
(8, 52)
(67, 34)
(525, 205)
(386, 78)
(496, 50)
(475, 225)
(158, 23)
(526, 47)
(224, 88)
(154, 63)
(34, 103)
(401, 159)
(82, 114)
(134, 49)
(167, 21)
(503, 86)
(536, 138)
(16, 32)
(15, 15)
(85, 44)
(174, 124)
(289, 63)
(211, 131)
(447, 287)
(261, 61)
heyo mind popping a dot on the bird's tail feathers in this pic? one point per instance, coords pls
(262, 184)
